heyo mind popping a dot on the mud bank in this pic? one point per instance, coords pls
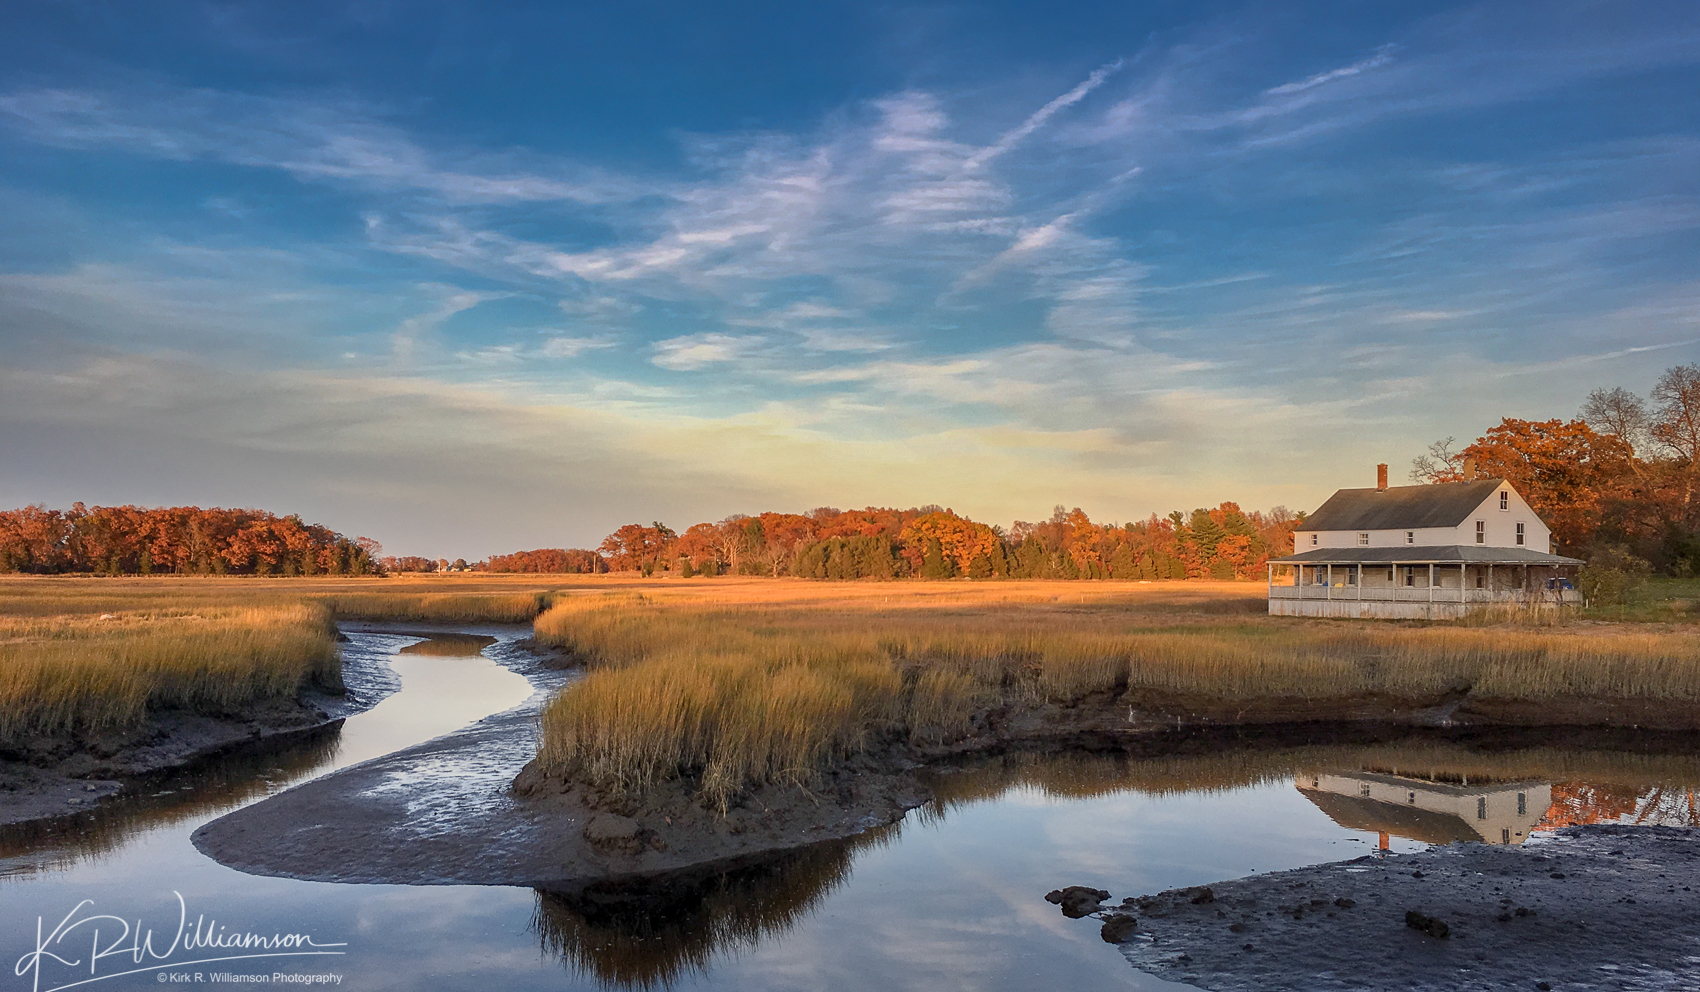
(48, 777)
(1595, 907)
(60, 775)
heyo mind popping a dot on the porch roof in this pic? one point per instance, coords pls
(1441, 554)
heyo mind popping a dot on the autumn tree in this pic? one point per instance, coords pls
(1565, 469)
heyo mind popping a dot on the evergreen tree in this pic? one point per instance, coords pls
(935, 565)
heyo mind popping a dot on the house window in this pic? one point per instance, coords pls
(1519, 532)
(1481, 532)
(1505, 835)
(1410, 537)
(1504, 499)
(1481, 807)
(1410, 575)
(1411, 797)
(1364, 789)
(1481, 579)
(1313, 540)
(1363, 539)
(1522, 804)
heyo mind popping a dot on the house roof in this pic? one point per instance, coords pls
(1444, 504)
(1404, 554)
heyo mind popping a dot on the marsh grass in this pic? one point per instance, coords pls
(739, 692)
(437, 607)
(83, 654)
(90, 675)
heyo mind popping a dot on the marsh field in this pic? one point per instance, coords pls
(726, 693)
(737, 681)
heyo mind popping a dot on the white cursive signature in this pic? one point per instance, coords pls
(133, 946)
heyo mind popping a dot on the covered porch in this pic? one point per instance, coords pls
(1418, 582)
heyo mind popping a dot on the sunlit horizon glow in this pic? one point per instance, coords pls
(474, 279)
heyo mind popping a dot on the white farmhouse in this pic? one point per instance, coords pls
(1420, 552)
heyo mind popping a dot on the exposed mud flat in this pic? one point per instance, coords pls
(1595, 907)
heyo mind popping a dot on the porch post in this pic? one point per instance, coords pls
(1328, 576)
(1431, 581)
(1463, 580)
(1269, 573)
(1490, 582)
(1360, 582)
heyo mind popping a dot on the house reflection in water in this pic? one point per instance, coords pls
(1428, 811)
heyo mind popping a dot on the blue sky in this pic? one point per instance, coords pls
(474, 277)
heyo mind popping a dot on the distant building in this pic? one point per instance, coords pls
(1420, 552)
(1429, 811)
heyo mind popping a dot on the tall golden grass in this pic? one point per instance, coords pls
(89, 675)
(82, 654)
(744, 692)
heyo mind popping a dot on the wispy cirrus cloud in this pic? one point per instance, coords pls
(1382, 56)
(313, 140)
(696, 351)
(1147, 281)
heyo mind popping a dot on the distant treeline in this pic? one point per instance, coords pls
(135, 540)
(932, 542)
(1624, 476)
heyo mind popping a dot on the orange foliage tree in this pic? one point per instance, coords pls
(1568, 472)
(134, 540)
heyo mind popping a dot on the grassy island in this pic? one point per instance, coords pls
(740, 683)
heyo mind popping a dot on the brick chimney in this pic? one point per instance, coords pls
(1381, 478)
(1469, 470)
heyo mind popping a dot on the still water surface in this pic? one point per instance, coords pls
(950, 898)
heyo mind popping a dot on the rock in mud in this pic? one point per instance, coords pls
(1117, 928)
(1077, 900)
(1423, 923)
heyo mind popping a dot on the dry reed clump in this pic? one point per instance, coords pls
(89, 675)
(743, 694)
(718, 704)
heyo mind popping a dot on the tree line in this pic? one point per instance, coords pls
(932, 542)
(1619, 479)
(135, 540)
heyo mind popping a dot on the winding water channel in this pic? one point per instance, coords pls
(950, 898)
